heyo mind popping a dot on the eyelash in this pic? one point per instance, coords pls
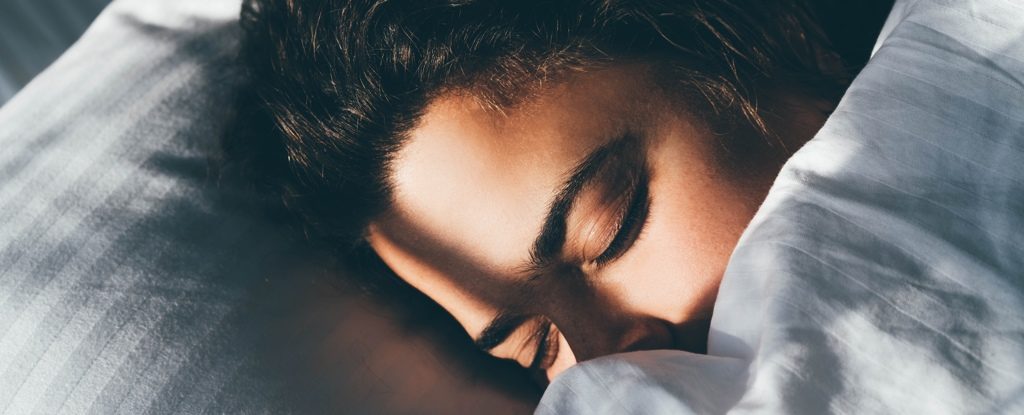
(633, 222)
(547, 347)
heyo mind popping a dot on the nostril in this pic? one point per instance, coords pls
(634, 335)
(646, 336)
(650, 335)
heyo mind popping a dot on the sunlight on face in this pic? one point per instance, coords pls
(596, 217)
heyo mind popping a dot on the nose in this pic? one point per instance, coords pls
(595, 323)
(609, 335)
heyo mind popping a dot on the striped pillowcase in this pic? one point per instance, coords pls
(124, 269)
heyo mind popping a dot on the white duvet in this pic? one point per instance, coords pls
(885, 271)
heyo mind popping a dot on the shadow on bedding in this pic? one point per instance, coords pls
(313, 341)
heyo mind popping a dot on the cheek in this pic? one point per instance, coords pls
(675, 267)
(465, 302)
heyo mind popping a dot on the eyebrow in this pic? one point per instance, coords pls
(498, 330)
(550, 240)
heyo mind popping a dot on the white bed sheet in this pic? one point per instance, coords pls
(885, 271)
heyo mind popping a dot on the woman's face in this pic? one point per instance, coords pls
(595, 217)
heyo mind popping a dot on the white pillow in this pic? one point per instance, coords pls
(35, 33)
(132, 281)
(122, 270)
(885, 271)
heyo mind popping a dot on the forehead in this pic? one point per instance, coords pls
(473, 183)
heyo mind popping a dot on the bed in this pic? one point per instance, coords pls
(883, 274)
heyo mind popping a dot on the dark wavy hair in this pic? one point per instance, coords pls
(333, 85)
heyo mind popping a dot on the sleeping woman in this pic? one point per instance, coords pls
(567, 179)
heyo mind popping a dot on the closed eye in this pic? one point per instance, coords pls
(631, 222)
(547, 347)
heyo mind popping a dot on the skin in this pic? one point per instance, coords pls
(473, 187)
